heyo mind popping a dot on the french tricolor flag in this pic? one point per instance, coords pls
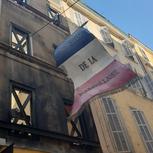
(91, 68)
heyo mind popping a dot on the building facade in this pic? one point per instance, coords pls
(34, 92)
(123, 120)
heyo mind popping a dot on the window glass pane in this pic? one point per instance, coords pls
(13, 38)
(51, 13)
(19, 36)
(149, 137)
(112, 124)
(111, 106)
(137, 117)
(122, 138)
(117, 123)
(143, 132)
(13, 103)
(106, 106)
(118, 142)
(25, 49)
(141, 118)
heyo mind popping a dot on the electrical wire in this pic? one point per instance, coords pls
(52, 20)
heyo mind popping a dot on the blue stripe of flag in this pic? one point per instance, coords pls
(79, 39)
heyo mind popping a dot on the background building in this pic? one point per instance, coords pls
(34, 92)
(123, 120)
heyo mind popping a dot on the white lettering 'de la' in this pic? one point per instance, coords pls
(87, 63)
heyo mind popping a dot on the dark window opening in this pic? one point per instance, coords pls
(20, 40)
(82, 125)
(73, 126)
(21, 102)
(54, 15)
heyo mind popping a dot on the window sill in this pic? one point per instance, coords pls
(29, 58)
(49, 134)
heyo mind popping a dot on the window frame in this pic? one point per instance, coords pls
(16, 85)
(127, 49)
(145, 124)
(56, 17)
(106, 36)
(136, 84)
(24, 31)
(122, 130)
(148, 82)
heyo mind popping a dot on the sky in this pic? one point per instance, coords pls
(133, 17)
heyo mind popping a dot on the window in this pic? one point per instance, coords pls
(20, 40)
(80, 19)
(73, 125)
(106, 36)
(144, 54)
(137, 84)
(74, 128)
(144, 129)
(127, 48)
(82, 125)
(21, 100)
(53, 15)
(149, 86)
(115, 125)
